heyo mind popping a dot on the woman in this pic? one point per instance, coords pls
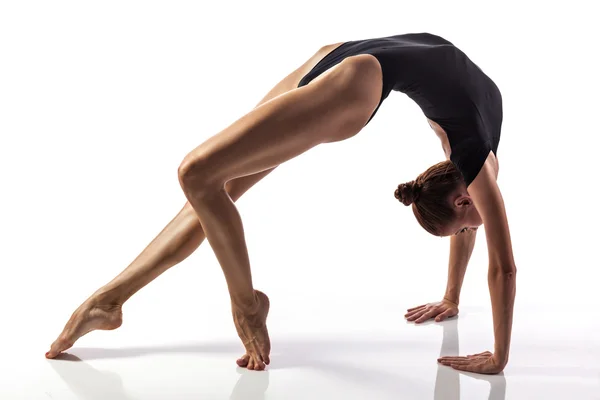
(330, 98)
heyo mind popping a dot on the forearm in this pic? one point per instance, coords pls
(461, 248)
(502, 284)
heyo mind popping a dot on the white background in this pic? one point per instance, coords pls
(100, 102)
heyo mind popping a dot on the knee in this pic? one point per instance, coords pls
(196, 175)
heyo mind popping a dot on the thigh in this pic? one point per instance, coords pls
(291, 81)
(335, 107)
(236, 187)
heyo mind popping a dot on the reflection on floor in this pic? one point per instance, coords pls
(379, 365)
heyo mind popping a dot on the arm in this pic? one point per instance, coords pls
(461, 248)
(501, 273)
(502, 269)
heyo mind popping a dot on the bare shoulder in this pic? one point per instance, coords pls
(485, 183)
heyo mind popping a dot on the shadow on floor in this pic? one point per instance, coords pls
(89, 383)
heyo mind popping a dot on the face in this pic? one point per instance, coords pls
(468, 217)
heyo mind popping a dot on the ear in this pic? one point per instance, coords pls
(463, 200)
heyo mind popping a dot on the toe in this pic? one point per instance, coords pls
(58, 347)
(51, 354)
(255, 362)
(258, 364)
(266, 359)
(242, 362)
(265, 350)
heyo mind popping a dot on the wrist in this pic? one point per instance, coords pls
(500, 357)
(500, 361)
(454, 299)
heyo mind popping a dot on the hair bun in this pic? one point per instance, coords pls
(408, 193)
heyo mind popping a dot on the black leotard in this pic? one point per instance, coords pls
(450, 89)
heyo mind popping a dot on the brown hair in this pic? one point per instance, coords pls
(429, 194)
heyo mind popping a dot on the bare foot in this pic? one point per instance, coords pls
(252, 329)
(88, 317)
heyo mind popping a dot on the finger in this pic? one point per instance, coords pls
(416, 314)
(426, 316)
(478, 355)
(410, 314)
(460, 362)
(446, 314)
(448, 362)
(416, 308)
(470, 367)
(450, 359)
(462, 367)
(250, 363)
(415, 311)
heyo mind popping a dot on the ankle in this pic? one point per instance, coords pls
(245, 304)
(106, 296)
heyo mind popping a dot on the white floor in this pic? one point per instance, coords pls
(374, 355)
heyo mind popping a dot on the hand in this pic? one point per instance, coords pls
(482, 363)
(442, 310)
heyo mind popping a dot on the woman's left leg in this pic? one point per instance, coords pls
(333, 107)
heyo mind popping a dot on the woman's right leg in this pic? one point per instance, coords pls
(177, 241)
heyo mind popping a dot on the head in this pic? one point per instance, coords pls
(440, 200)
